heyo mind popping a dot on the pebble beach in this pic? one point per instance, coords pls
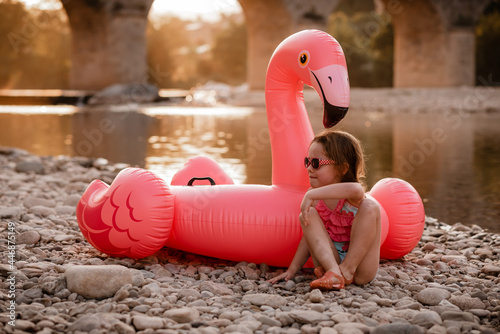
(54, 281)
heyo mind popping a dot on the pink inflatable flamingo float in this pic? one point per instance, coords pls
(139, 213)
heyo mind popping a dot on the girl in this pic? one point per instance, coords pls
(341, 226)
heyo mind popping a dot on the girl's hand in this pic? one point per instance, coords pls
(286, 276)
(307, 203)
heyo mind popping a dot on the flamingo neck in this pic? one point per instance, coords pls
(290, 132)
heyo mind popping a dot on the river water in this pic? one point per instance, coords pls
(452, 160)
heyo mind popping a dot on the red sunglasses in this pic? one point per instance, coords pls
(317, 162)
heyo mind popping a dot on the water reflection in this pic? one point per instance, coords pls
(218, 133)
(42, 134)
(119, 136)
(452, 160)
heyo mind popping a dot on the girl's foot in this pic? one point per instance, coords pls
(346, 281)
(329, 281)
(319, 272)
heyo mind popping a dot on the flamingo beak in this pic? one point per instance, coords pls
(332, 84)
(332, 114)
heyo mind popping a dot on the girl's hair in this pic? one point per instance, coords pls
(344, 148)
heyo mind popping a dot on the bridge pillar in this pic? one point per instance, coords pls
(108, 42)
(270, 21)
(434, 41)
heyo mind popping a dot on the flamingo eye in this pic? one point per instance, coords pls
(304, 58)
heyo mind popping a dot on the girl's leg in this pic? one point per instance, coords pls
(362, 259)
(320, 244)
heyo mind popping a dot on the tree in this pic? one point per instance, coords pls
(11, 43)
(367, 41)
(34, 47)
(229, 54)
(168, 48)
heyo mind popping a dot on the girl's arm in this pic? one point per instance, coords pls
(300, 258)
(352, 191)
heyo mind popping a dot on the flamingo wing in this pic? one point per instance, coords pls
(133, 217)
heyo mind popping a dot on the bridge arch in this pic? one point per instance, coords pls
(108, 42)
(433, 43)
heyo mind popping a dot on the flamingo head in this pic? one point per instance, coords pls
(315, 58)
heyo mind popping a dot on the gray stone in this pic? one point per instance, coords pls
(432, 296)
(466, 303)
(151, 289)
(72, 200)
(142, 322)
(27, 296)
(124, 94)
(426, 319)
(455, 258)
(230, 315)
(120, 327)
(480, 313)
(205, 270)
(35, 201)
(265, 320)
(316, 296)
(247, 285)
(137, 277)
(484, 253)
(12, 212)
(97, 281)
(250, 273)
(289, 285)
(28, 237)
(284, 318)
(343, 317)
(491, 269)
(328, 330)
(30, 165)
(174, 269)
(122, 293)
(24, 325)
(351, 328)
(308, 316)
(457, 316)
(397, 328)
(182, 315)
(86, 323)
(52, 285)
(65, 210)
(215, 288)
(188, 293)
(437, 329)
(368, 308)
(63, 237)
(260, 299)
(42, 211)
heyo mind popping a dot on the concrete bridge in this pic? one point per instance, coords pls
(433, 39)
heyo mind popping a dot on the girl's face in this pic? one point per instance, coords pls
(324, 175)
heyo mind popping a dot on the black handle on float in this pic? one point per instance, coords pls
(212, 182)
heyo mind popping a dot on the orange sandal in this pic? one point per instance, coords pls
(319, 272)
(327, 282)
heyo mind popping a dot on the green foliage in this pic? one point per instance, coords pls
(229, 54)
(192, 53)
(488, 46)
(367, 40)
(34, 47)
(352, 7)
(165, 53)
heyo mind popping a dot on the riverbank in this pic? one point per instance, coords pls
(480, 99)
(448, 284)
